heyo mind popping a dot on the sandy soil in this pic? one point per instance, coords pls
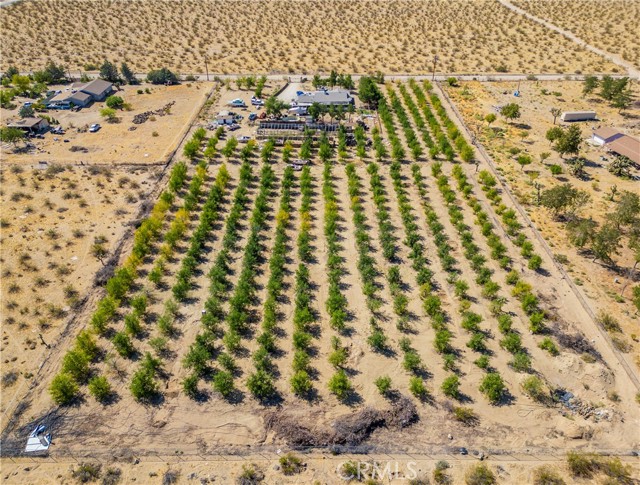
(47, 263)
(472, 37)
(115, 143)
(596, 280)
(607, 24)
(318, 469)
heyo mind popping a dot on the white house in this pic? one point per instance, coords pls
(81, 94)
(325, 98)
(604, 135)
(224, 118)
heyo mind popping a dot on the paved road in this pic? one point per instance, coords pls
(630, 68)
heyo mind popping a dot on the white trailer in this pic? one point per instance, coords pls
(578, 116)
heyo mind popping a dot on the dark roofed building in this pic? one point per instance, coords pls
(30, 125)
(98, 89)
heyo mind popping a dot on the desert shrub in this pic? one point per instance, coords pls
(440, 475)
(464, 415)
(546, 476)
(412, 361)
(377, 340)
(534, 388)
(87, 472)
(493, 387)
(223, 383)
(291, 464)
(582, 465)
(521, 362)
(250, 475)
(63, 389)
(548, 345)
(339, 384)
(111, 476)
(100, 388)
(383, 383)
(511, 342)
(480, 474)
(608, 322)
(451, 386)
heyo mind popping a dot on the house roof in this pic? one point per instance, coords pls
(224, 113)
(96, 87)
(80, 96)
(324, 97)
(25, 123)
(626, 146)
(606, 132)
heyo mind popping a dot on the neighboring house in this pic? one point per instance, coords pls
(325, 98)
(224, 118)
(627, 146)
(30, 125)
(98, 89)
(604, 135)
(82, 94)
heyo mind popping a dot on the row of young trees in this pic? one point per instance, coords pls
(443, 146)
(303, 314)
(336, 303)
(75, 368)
(415, 147)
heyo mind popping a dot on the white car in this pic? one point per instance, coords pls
(95, 127)
(244, 139)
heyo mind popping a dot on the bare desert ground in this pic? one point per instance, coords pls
(284, 36)
(608, 24)
(600, 282)
(584, 400)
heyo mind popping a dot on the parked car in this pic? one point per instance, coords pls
(297, 168)
(95, 127)
(233, 127)
(253, 117)
(244, 139)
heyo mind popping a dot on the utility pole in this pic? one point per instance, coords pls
(206, 67)
(435, 59)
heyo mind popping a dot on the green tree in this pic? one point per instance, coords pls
(223, 383)
(569, 142)
(11, 135)
(555, 112)
(115, 102)
(162, 76)
(451, 386)
(622, 100)
(493, 387)
(26, 112)
(109, 72)
(108, 114)
(339, 384)
(580, 231)
(300, 383)
(100, 388)
(369, 92)
(63, 389)
(510, 111)
(636, 297)
(143, 385)
(590, 84)
(490, 118)
(21, 84)
(383, 384)
(564, 200)
(76, 364)
(524, 160)
(554, 134)
(606, 242)
(127, 74)
(260, 384)
(274, 106)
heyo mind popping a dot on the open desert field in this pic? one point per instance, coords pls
(610, 25)
(506, 141)
(170, 110)
(373, 301)
(289, 36)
